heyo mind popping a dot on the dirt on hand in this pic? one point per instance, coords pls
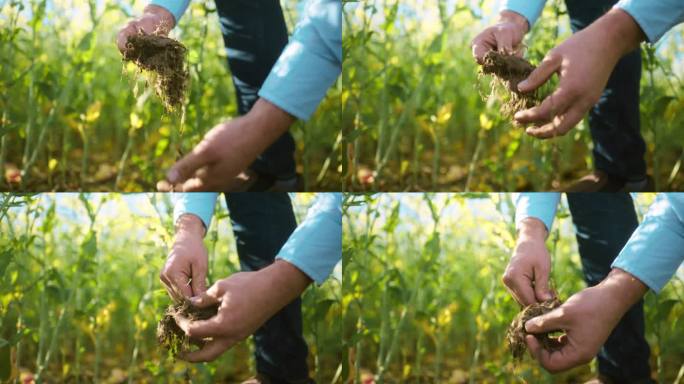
(170, 336)
(164, 61)
(516, 331)
(509, 70)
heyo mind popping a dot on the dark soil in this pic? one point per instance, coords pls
(509, 70)
(170, 335)
(516, 331)
(164, 61)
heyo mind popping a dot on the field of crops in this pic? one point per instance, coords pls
(73, 117)
(414, 117)
(424, 302)
(81, 296)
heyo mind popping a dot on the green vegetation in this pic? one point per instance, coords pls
(424, 302)
(74, 117)
(81, 297)
(414, 116)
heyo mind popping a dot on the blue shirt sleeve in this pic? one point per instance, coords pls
(530, 9)
(656, 248)
(540, 205)
(315, 247)
(200, 204)
(655, 17)
(176, 7)
(310, 63)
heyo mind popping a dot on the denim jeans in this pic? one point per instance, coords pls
(262, 223)
(614, 121)
(254, 34)
(603, 223)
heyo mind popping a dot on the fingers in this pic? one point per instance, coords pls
(541, 285)
(186, 167)
(199, 281)
(504, 43)
(520, 287)
(559, 126)
(480, 46)
(549, 322)
(204, 299)
(209, 352)
(176, 283)
(122, 37)
(550, 65)
(554, 361)
(554, 105)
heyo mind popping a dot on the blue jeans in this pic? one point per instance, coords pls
(262, 222)
(603, 223)
(254, 34)
(614, 121)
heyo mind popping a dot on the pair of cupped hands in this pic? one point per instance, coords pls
(587, 318)
(583, 63)
(220, 161)
(246, 300)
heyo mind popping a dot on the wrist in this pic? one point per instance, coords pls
(624, 288)
(166, 18)
(288, 279)
(190, 224)
(620, 31)
(532, 228)
(515, 18)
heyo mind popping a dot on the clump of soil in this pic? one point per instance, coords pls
(508, 71)
(164, 61)
(516, 331)
(169, 335)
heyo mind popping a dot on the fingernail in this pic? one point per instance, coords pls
(529, 323)
(172, 175)
(194, 300)
(521, 85)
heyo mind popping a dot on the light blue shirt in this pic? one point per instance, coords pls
(309, 64)
(654, 251)
(655, 17)
(315, 247)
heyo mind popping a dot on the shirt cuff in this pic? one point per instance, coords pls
(656, 249)
(654, 17)
(200, 204)
(529, 9)
(540, 205)
(315, 247)
(176, 7)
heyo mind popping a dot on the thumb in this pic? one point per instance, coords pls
(186, 167)
(541, 286)
(540, 75)
(548, 322)
(207, 298)
(198, 282)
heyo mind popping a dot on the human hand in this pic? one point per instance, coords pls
(185, 271)
(246, 301)
(154, 20)
(505, 36)
(587, 319)
(227, 150)
(527, 274)
(583, 63)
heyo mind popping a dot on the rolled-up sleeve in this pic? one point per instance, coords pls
(655, 17)
(540, 205)
(176, 7)
(310, 63)
(315, 247)
(656, 249)
(200, 204)
(530, 9)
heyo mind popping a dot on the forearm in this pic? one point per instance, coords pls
(540, 205)
(287, 282)
(532, 228)
(173, 8)
(263, 125)
(191, 224)
(624, 289)
(529, 9)
(515, 18)
(621, 30)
